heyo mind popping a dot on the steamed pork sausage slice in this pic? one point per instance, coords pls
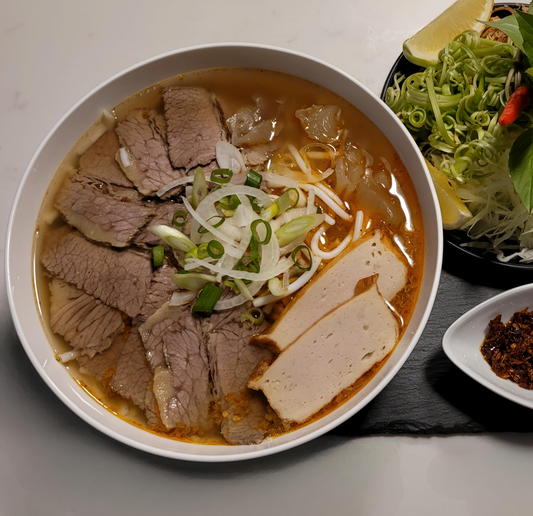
(329, 357)
(335, 284)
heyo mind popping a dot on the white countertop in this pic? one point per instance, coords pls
(51, 462)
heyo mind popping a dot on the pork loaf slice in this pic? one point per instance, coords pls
(120, 279)
(194, 126)
(101, 217)
(329, 357)
(335, 284)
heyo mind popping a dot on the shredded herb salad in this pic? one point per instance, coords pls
(472, 118)
(247, 240)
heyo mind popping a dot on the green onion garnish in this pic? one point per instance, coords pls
(231, 202)
(254, 316)
(309, 257)
(254, 249)
(199, 252)
(207, 300)
(253, 179)
(216, 224)
(232, 286)
(256, 205)
(180, 218)
(173, 237)
(283, 203)
(243, 289)
(215, 249)
(221, 176)
(298, 227)
(158, 255)
(268, 230)
(192, 280)
(199, 188)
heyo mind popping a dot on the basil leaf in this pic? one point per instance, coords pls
(525, 24)
(509, 26)
(521, 168)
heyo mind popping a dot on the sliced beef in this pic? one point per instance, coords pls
(99, 216)
(99, 163)
(133, 376)
(233, 359)
(194, 126)
(120, 279)
(103, 365)
(86, 323)
(159, 292)
(186, 355)
(164, 212)
(141, 132)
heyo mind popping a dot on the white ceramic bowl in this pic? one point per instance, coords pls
(462, 342)
(65, 134)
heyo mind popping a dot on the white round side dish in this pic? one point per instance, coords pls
(74, 124)
(462, 342)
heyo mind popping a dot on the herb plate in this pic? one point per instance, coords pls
(472, 263)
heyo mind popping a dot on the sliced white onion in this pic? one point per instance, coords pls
(182, 297)
(278, 180)
(328, 255)
(238, 300)
(369, 159)
(293, 287)
(280, 268)
(228, 156)
(358, 226)
(216, 195)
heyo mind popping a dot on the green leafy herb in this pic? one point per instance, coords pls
(509, 26)
(521, 167)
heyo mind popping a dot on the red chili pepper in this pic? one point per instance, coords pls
(517, 102)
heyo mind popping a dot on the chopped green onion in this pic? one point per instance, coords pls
(199, 252)
(217, 224)
(247, 263)
(207, 300)
(256, 205)
(221, 176)
(215, 249)
(254, 249)
(180, 218)
(309, 257)
(192, 280)
(276, 287)
(254, 316)
(232, 286)
(243, 289)
(319, 210)
(173, 237)
(230, 202)
(199, 188)
(298, 227)
(158, 255)
(268, 230)
(283, 203)
(253, 179)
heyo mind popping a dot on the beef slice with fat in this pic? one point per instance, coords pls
(119, 278)
(85, 323)
(194, 126)
(140, 131)
(101, 217)
(159, 292)
(233, 359)
(98, 161)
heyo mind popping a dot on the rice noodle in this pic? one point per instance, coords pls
(328, 200)
(311, 207)
(327, 255)
(298, 158)
(358, 226)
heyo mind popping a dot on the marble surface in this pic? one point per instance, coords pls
(51, 462)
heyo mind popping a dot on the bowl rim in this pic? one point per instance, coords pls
(244, 451)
